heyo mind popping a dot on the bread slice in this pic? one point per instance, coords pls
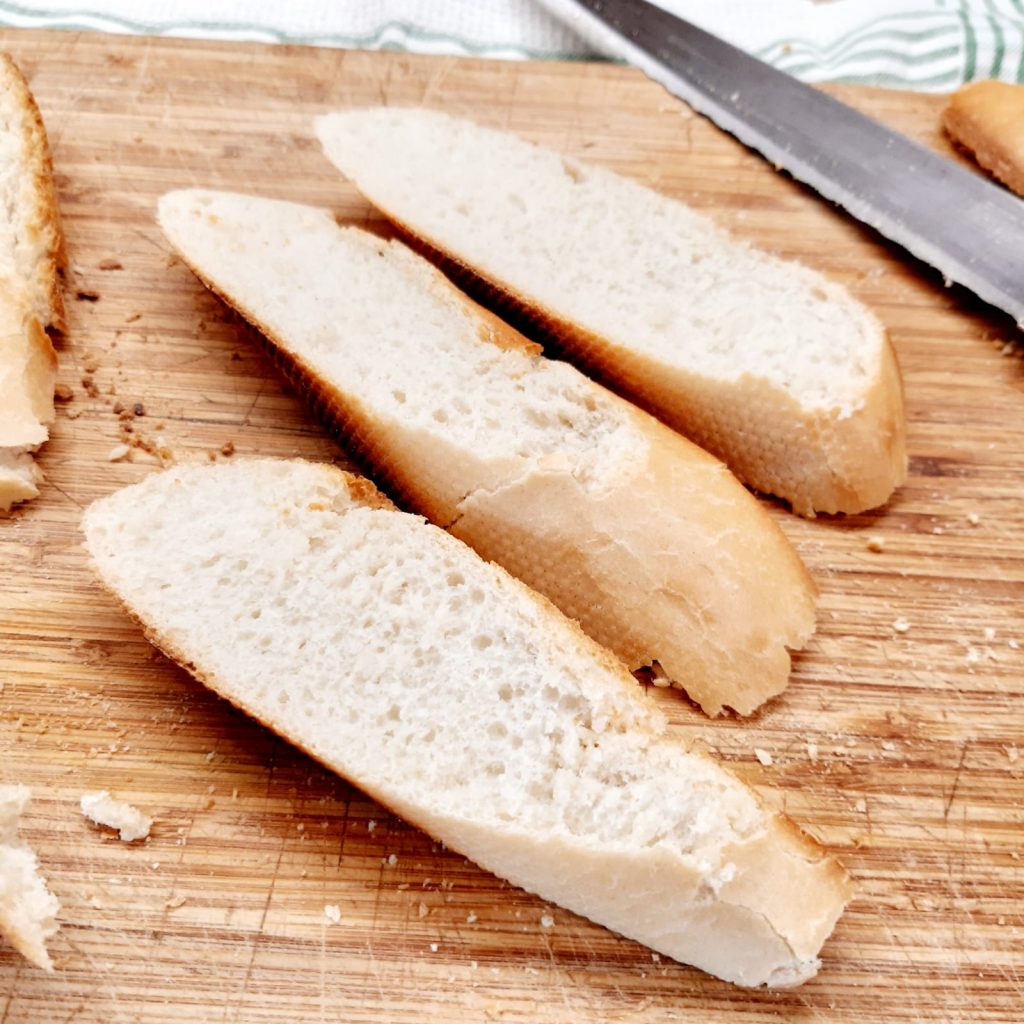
(456, 696)
(641, 536)
(765, 363)
(987, 118)
(31, 253)
(28, 911)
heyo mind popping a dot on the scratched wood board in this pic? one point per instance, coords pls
(896, 744)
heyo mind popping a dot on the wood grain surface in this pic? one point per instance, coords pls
(899, 742)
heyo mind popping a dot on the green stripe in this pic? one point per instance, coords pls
(872, 30)
(1000, 41)
(824, 57)
(970, 44)
(933, 56)
(884, 78)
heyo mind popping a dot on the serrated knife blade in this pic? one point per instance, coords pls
(957, 221)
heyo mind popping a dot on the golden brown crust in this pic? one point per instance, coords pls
(45, 221)
(819, 462)
(987, 118)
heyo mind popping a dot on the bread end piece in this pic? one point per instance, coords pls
(987, 119)
(28, 911)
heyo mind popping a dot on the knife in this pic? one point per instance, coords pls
(969, 228)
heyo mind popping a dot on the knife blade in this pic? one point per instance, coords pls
(957, 221)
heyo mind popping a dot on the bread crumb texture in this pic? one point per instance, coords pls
(102, 809)
(450, 692)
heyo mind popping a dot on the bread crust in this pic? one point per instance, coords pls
(43, 226)
(818, 461)
(31, 303)
(987, 119)
(763, 926)
(700, 594)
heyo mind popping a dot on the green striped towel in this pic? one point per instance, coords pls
(911, 44)
(920, 44)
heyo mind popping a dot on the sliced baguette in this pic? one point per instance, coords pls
(31, 252)
(649, 542)
(766, 363)
(28, 911)
(453, 694)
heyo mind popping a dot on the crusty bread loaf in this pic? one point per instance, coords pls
(987, 118)
(31, 251)
(453, 694)
(649, 542)
(28, 911)
(765, 363)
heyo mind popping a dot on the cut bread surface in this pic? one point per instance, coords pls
(28, 911)
(646, 540)
(447, 690)
(767, 363)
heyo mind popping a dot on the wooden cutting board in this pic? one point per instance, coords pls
(899, 743)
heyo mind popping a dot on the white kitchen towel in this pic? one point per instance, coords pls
(923, 44)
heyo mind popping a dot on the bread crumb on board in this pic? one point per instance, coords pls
(333, 913)
(118, 452)
(103, 809)
(764, 757)
(901, 625)
(875, 543)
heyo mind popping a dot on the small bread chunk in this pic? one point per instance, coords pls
(450, 692)
(28, 911)
(645, 539)
(131, 824)
(31, 251)
(987, 118)
(767, 364)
